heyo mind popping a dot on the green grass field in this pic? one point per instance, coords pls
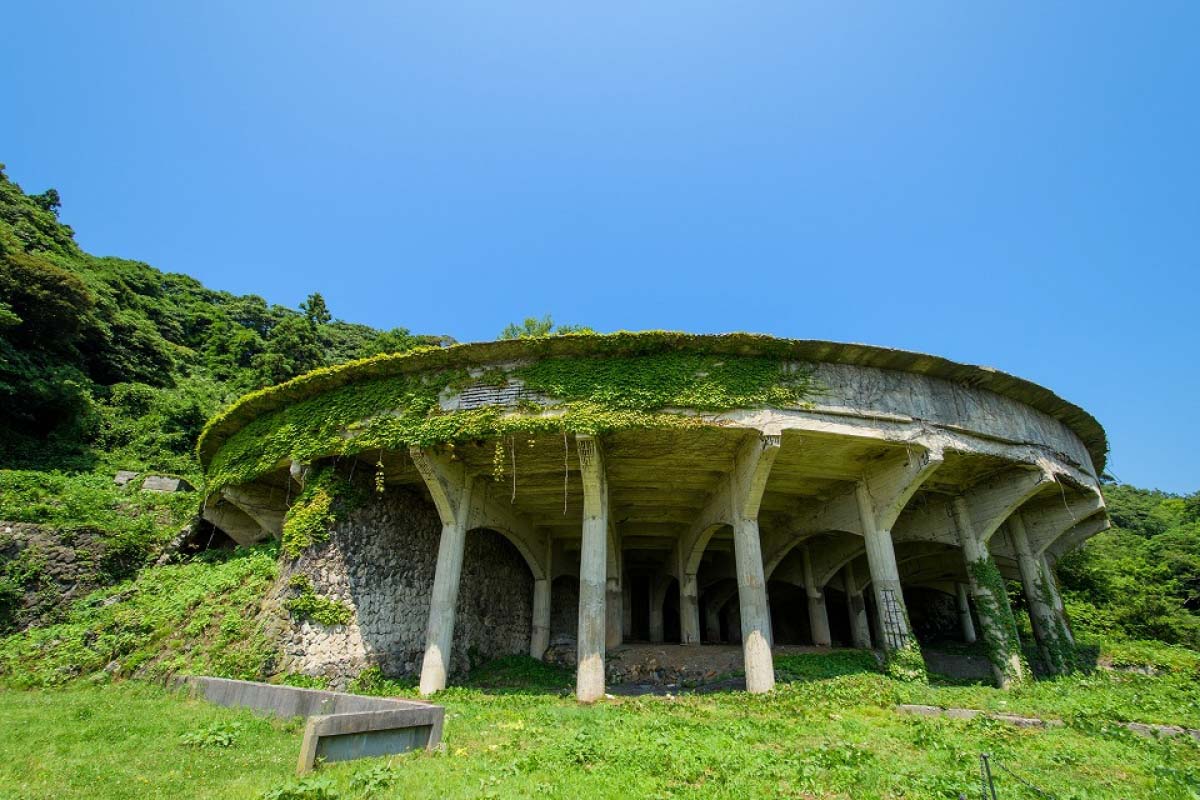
(829, 731)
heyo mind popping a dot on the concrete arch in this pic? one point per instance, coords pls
(785, 545)
(537, 566)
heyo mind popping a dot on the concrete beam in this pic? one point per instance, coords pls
(266, 505)
(1077, 535)
(992, 502)
(498, 515)
(737, 496)
(890, 484)
(239, 526)
(1045, 526)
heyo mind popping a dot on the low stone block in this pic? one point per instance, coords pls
(123, 477)
(340, 726)
(162, 483)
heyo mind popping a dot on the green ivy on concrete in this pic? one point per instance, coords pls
(1058, 651)
(308, 520)
(996, 615)
(906, 663)
(309, 605)
(589, 394)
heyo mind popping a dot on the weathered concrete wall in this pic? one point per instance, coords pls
(380, 561)
(869, 390)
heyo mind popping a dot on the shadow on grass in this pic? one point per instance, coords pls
(800, 667)
(520, 675)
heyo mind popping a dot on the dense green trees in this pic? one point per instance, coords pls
(109, 362)
(1140, 579)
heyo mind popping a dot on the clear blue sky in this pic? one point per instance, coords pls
(1007, 184)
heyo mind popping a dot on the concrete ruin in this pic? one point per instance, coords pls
(888, 504)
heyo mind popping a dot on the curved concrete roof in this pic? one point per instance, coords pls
(253, 405)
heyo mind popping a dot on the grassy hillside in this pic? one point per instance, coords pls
(835, 736)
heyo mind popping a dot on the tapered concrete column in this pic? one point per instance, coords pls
(689, 610)
(451, 490)
(593, 564)
(712, 623)
(890, 610)
(540, 639)
(964, 614)
(658, 596)
(1056, 600)
(818, 614)
(612, 632)
(755, 610)
(626, 607)
(860, 631)
(991, 601)
(1041, 609)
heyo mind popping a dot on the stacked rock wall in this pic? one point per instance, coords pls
(380, 561)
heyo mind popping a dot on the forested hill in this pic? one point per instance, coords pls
(110, 363)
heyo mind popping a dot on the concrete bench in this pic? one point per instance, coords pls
(340, 726)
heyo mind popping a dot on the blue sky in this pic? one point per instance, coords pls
(1008, 184)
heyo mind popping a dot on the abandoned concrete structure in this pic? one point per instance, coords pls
(495, 498)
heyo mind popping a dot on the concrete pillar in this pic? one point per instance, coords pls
(658, 596)
(755, 610)
(626, 607)
(1056, 600)
(613, 627)
(891, 613)
(593, 566)
(991, 601)
(439, 633)
(964, 614)
(876, 630)
(540, 639)
(689, 610)
(860, 631)
(712, 623)
(1042, 617)
(818, 614)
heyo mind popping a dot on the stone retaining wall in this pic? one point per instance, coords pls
(380, 561)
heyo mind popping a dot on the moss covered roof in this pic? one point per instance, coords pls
(228, 422)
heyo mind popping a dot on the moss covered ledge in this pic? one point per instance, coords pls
(594, 382)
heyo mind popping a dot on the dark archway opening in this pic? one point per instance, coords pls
(789, 613)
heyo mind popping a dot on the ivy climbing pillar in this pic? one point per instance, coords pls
(860, 631)
(589, 671)
(991, 601)
(1060, 610)
(818, 614)
(451, 491)
(896, 637)
(1051, 646)
(965, 622)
